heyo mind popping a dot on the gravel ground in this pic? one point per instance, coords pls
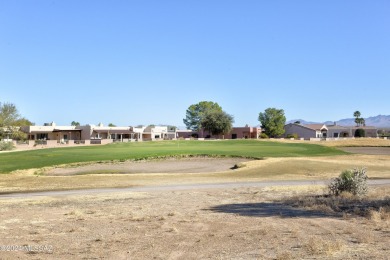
(224, 223)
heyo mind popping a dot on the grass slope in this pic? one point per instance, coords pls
(141, 150)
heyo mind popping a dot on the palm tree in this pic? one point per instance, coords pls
(357, 115)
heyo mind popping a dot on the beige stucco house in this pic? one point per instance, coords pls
(245, 132)
(327, 131)
(306, 131)
(51, 134)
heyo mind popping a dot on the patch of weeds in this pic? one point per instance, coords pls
(286, 255)
(346, 204)
(318, 246)
(381, 214)
(364, 237)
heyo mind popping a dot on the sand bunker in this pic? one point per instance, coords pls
(187, 165)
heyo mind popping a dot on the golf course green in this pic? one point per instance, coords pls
(145, 150)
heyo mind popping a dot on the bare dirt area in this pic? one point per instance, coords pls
(368, 150)
(224, 223)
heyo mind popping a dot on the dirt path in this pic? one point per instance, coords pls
(177, 187)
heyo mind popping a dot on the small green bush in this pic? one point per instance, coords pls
(264, 136)
(353, 181)
(6, 146)
(295, 136)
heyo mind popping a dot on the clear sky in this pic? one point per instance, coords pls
(136, 62)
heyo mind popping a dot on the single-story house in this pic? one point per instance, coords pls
(245, 132)
(52, 133)
(327, 131)
(306, 131)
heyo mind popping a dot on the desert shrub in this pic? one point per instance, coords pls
(353, 181)
(264, 136)
(6, 146)
(360, 133)
(295, 136)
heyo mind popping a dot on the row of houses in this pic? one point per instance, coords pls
(246, 132)
(96, 133)
(52, 135)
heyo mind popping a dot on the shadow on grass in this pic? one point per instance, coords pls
(270, 209)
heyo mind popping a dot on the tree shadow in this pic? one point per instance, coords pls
(270, 209)
(317, 206)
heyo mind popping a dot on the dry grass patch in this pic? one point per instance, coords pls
(358, 142)
(163, 224)
(327, 245)
(375, 206)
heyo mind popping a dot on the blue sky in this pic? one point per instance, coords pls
(145, 62)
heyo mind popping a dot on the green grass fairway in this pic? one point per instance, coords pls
(142, 150)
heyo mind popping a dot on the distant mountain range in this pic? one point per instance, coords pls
(377, 121)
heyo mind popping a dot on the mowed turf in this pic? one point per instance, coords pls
(143, 150)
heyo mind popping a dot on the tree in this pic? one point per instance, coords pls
(195, 113)
(75, 123)
(8, 114)
(217, 122)
(358, 120)
(10, 121)
(111, 125)
(272, 121)
(360, 133)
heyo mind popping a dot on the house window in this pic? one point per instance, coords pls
(335, 135)
(65, 137)
(157, 136)
(42, 136)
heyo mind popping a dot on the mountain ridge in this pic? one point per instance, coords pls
(377, 121)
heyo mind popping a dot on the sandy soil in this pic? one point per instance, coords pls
(170, 165)
(226, 223)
